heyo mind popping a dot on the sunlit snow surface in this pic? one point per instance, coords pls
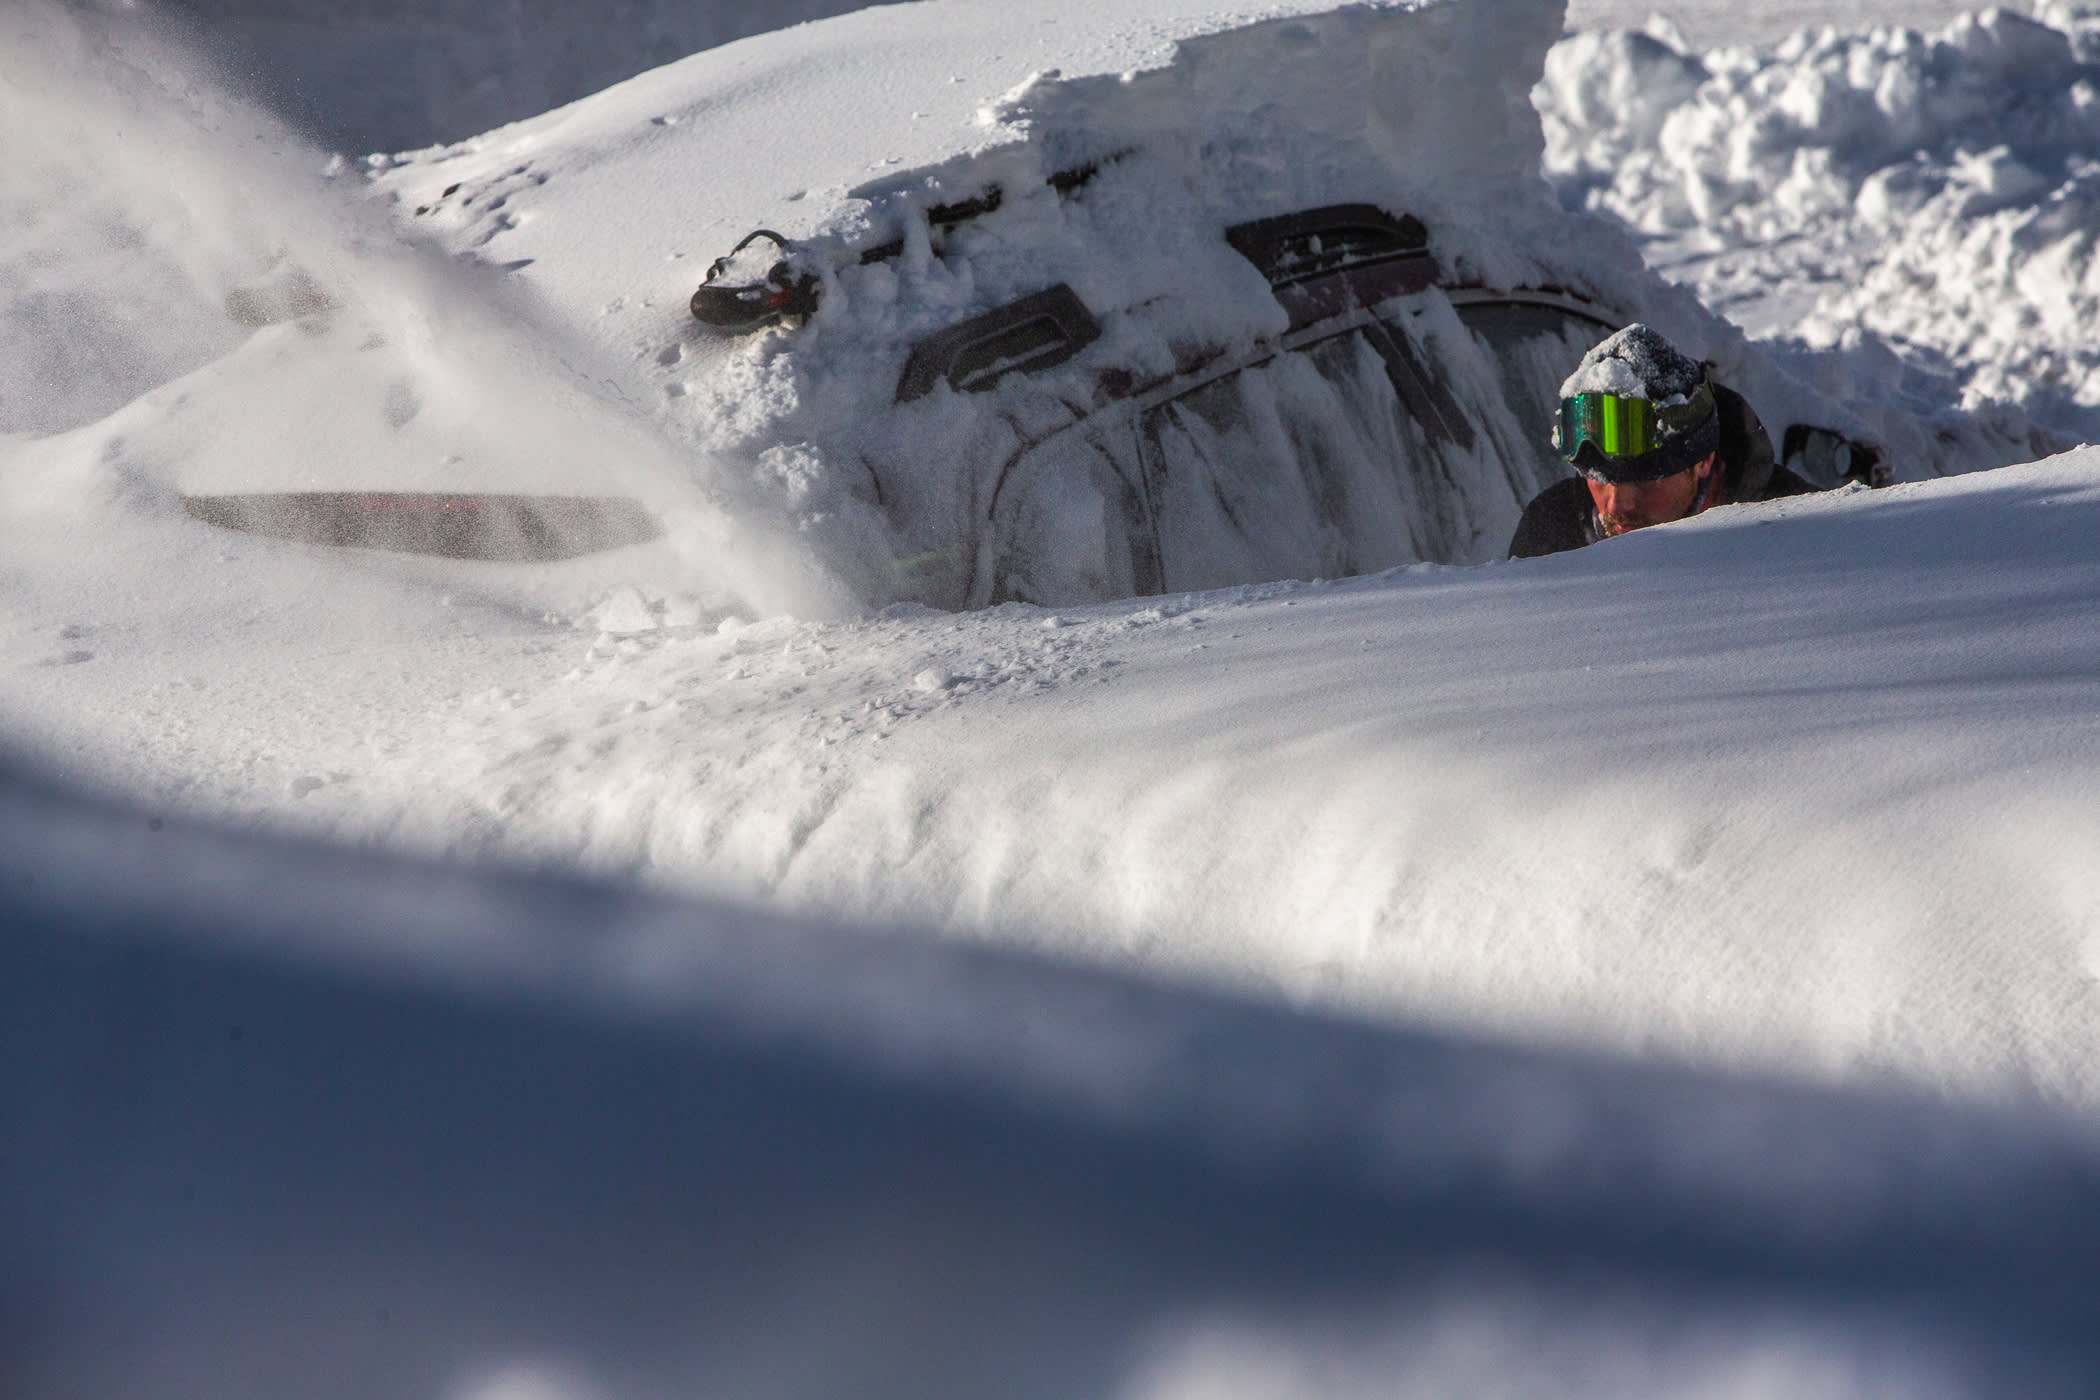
(1798, 792)
(1920, 201)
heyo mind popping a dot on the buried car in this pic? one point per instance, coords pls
(1202, 303)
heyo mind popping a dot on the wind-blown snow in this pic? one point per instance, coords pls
(218, 313)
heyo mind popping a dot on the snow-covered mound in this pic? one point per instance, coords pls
(1795, 793)
(1920, 206)
(368, 75)
(1801, 788)
(551, 353)
(282, 1122)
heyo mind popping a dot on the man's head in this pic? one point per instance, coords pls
(1630, 505)
(1637, 420)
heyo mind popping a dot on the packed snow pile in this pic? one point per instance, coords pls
(1920, 206)
(1111, 170)
(551, 353)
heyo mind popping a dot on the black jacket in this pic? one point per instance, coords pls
(1564, 517)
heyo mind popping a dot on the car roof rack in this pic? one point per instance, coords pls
(942, 217)
(1036, 332)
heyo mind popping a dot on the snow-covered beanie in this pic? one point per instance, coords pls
(1639, 363)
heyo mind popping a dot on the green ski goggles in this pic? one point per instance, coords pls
(1620, 427)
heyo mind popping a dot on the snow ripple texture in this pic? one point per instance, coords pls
(1916, 210)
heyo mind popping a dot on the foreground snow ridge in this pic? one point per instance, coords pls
(268, 1105)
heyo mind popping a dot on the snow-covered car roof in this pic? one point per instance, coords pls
(776, 130)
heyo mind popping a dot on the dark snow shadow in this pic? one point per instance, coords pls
(281, 1121)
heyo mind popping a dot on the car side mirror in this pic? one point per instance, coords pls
(1827, 459)
(1035, 333)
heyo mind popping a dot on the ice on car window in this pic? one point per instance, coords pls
(1072, 523)
(1396, 440)
(1306, 466)
(1533, 348)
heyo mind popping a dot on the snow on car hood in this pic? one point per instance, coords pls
(552, 351)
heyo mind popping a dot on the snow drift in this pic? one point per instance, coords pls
(1111, 171)
(1690, 858)
(1420, 795)
(284, 1122)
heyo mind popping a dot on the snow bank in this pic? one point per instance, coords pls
(943, 103)
(1916, 207)
(551, 353)
(287, 1122)
(843, 136)
(1798, 789)
(1348, 800)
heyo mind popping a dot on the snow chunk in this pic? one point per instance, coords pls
(624, 612)
(1636, 362)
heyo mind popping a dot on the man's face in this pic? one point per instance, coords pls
(1632, 505)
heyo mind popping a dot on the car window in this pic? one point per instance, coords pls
(1392, 442)
(1534, 348)
(1072, 524)
(1298, 467)
(1364, 451)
